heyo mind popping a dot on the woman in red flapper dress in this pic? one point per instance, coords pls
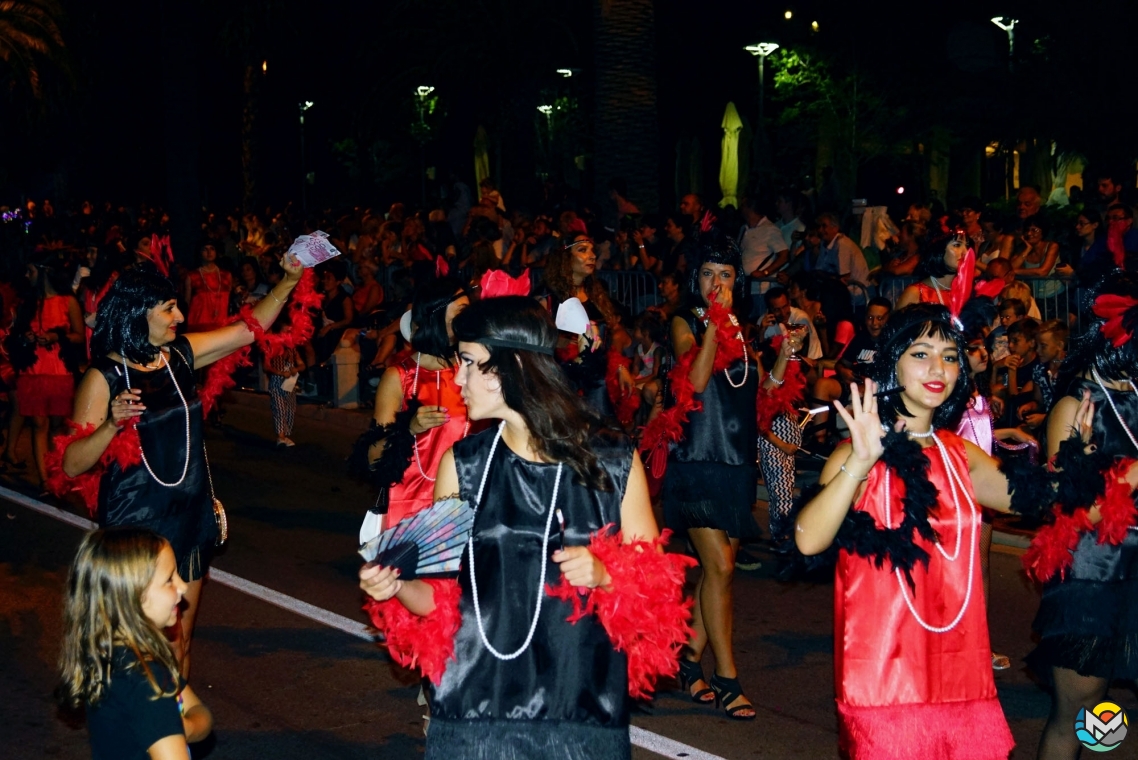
(901, 500)
(207, 293)
(941, 259)
(419, 412)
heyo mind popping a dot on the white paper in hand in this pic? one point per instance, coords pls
(313, 249)
(572, 317)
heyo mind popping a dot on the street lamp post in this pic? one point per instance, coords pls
(761, 50)
(423, 92)
(304, 106)
(1008, 25)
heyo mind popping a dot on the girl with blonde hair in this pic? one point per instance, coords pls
(123, 590)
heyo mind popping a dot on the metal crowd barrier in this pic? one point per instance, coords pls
(636, 290)
(1056, 297)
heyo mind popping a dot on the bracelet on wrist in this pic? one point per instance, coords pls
(862, 479)
(775, 380)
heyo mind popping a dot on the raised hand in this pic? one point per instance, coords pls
(865, 428)
(427, 417)
(1084, 422)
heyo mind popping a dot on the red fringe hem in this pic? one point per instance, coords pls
(645, 614)
(972, 730)
(423, 643)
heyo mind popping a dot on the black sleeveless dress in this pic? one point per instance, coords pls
(566, 696)
(1088, 621)
(711, 476)
(183, 515)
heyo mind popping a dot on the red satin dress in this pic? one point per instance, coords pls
(434, 388)
(902, 691)
(209, 305)
(930, 294)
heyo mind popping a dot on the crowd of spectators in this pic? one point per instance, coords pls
(823, 270)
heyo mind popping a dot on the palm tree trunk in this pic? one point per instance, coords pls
(626, 127)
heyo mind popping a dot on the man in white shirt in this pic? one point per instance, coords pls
(843, 257)
(786, 205)
(760, 242)
(780, 314)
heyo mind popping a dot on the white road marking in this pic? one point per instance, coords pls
(660, 745)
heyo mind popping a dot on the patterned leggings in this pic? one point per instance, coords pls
(778, 474)
(283, 404)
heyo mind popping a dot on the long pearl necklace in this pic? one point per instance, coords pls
(414, 392)
(1113, 408)
(746, 365)
(544, 558)
(185, 405)
(954, 480)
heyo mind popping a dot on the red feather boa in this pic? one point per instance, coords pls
(668, 426)
(625, 404)
(219, 377)
(645, 614)
(782, 399)
(125, 448)
(425, 643)
(1051, 552)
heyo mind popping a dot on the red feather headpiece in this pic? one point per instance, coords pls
(496, 282)
(1121, 315)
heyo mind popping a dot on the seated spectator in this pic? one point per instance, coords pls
(901, 259)
(843, 257)
(1039, 255)
(1094, 258)
(1018, 369)
(1022, 293)
(788, 205)
(780, 314)
(337, 311)
(368, 294)
(680, 247)
(1051, 350)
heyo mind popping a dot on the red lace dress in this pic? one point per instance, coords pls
(432, 388)
(47, 388)
(903, 691)
(209, 302)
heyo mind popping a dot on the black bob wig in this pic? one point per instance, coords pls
(429, 316)
(904, 327)
(714, 247)
(121, 322)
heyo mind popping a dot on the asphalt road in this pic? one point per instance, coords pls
(282, 686)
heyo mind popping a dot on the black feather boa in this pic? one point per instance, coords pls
(859, 533)
(1080, 477)
(391, 466)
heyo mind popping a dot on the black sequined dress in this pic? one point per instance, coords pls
(183, 514)
(1088, 621)
(711, 475)
(566, 695)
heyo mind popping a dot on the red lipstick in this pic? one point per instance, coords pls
(936, 387)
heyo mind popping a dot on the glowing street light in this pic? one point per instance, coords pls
(264, 67)
(761, 50)
(423, 90)
(1008, 25)
(565, 72)
(813, 26)
(788, 15)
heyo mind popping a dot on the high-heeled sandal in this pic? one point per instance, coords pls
(690, 673)
(727, 690)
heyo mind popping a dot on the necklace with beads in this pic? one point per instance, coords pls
(544, 558)
(702, 314)
(955, 484)
(185, 405)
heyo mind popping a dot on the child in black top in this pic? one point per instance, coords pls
(123, 590)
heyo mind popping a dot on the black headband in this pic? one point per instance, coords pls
(516, 344)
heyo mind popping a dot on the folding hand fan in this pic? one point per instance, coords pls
(428, 544)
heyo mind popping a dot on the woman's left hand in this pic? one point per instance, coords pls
(1085, 418)
(292, 266)
(581, 568)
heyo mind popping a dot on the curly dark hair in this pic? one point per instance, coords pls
(533, 385)
(715, 247)
(121, 322)
(902, 329)
(559, 279)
